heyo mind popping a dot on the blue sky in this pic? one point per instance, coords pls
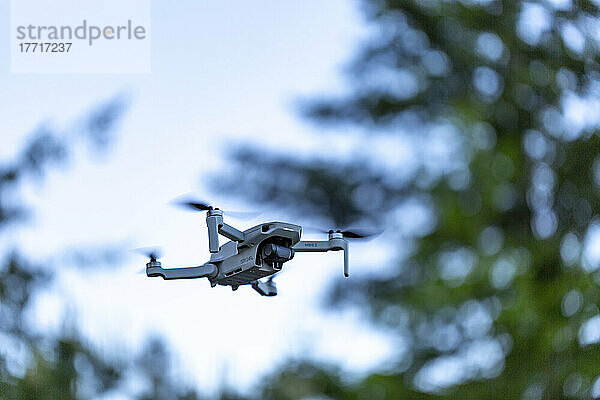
(221, 72)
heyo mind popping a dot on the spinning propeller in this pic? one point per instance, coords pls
(352, 233)
(153, 253)
(192, 204)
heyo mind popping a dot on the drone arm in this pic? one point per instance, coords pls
(204, 271)
(213, 222)
(231, 233)
(346, 259)
(312, 246)
(333, 244)
(216, 226)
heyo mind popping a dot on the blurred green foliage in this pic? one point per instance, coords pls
(49, 366)
(488, 182)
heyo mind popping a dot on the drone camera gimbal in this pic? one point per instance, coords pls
(276, 255)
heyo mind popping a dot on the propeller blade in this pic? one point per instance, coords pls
(352, 233)
(196, 206)
(153, 253)
(189, 203)
(361, 233)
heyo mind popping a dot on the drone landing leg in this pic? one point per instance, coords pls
(267, 288)
(204, 271)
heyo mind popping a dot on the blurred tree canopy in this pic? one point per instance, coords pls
(41, 365)
(479, 156)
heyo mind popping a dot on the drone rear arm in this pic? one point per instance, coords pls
(216, 226)
(332, 244)
(204, 271)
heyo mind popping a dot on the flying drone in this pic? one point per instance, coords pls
(250, 255)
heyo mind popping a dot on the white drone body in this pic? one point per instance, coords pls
(250, 255)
